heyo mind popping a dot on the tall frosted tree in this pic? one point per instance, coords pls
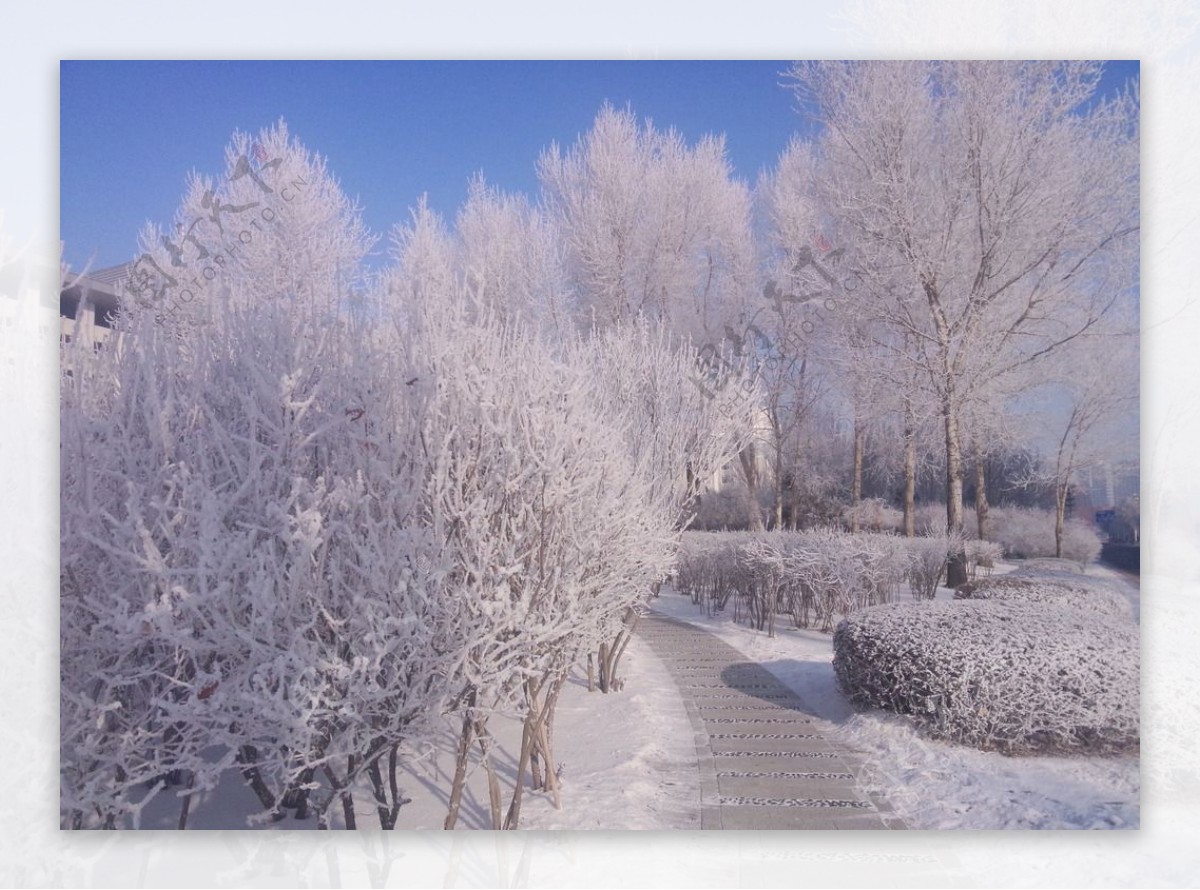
(509, 254)
(650, 226)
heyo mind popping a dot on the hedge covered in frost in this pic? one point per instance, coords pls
(1083, 592)
(813, 576)
(1008, 675)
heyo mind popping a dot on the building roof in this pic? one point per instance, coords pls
(101, 288)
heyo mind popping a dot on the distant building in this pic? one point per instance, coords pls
(1107, 485)
(87, 305)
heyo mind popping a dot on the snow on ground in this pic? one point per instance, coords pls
(931, 784)
(627, 759)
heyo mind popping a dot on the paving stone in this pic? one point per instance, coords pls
(796, 789)
(760, 748)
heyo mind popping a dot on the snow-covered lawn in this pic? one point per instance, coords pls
(934, 785)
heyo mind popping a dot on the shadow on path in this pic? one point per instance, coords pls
(766, 760)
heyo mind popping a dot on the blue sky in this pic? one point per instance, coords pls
(131, 131)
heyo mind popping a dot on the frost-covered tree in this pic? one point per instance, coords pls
(997, 202)
(681, 428)
(817, 290)
(560, 473)
(275, 224)
(551, 530)
(782, 343)
(509, 253)
(245, 580)
(1088, 415)
(653, 227)
(650, 226)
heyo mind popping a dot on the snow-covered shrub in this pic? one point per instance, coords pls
(1023, 532)
(554, 532)
(245, 578)
(728, 508)
(562, 474)
(817, 574)
(679, 429)
(1018, 677)
(709, 569)
(124, 674)
(550, 521)
(254, 522)
(927, 564)
(1028, 532)
(930, 519)
(1080, 543)
(1070, 589)
(982, 557)
(880, 561)
(873, 515)
(1052, 564)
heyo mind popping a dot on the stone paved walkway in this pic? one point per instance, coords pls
(764, 761)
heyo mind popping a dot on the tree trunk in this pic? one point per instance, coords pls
(387, 807)
(981, 501)
(610, 654)
(186, 806)
(602, 662)
(747, 458)
(545, 741)
(910, 476)
(248, 757)
(460, 770)
(860, 440)
(1060, 516)
(296, 797)
(956, 567)
(341, 789)
(530, 730)
(495, 803)
(778, 489)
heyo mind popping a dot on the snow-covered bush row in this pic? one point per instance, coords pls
(930, 554)
(708, 568)
(1071, 589)
(1027, 532)
(1018, 677)
(816, 574)
(813, 575)
(930, 519)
